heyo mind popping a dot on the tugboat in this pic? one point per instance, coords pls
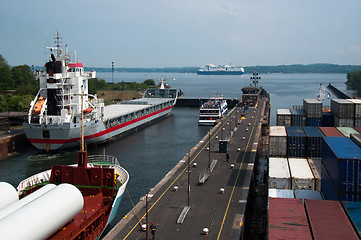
(67, 202)
(54, 114)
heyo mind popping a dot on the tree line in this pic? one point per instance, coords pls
(354, 80)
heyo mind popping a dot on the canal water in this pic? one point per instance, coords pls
(152, 152)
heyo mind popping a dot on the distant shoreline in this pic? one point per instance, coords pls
(295, 68)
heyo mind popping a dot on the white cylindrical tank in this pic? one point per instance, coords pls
(8, 194)
(43, 216)
(22, 202)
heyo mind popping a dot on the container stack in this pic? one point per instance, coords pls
(343, 111)
(353, 211)
(315, 166)
(327, 119)
(284, 117)
(341, 170)
(313, 141)
(302, 176)
(296, 142)
(347, 131)
(298, 117)
(313, 110)
(330, 132)
(357, 111)
(278, 141)
(279, 173)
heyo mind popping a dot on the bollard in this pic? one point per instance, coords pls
(246, 129)
(249, 124)
(195, 164)
(144, 227)
(216, 137)
(205, 231)
(221, 190)
(207, 148)
(175, 188)
(238, 149)
(232, 166)
(243, 138)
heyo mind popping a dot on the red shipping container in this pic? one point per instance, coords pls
(331, 132)
(328, 220)
(287, 219)
(358, 129)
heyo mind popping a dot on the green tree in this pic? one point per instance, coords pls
(6, 80)
(150, 82)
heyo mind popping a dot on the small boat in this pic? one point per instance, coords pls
(212, 111)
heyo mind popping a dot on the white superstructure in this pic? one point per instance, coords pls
(212, 111)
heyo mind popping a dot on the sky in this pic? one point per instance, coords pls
(177, 33)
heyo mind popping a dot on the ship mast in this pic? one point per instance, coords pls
(58, 42)
(82, 154)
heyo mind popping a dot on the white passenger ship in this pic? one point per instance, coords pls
(55, 113)
(212, 111)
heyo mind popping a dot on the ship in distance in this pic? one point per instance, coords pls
(54, 114)
(211, 112)
(210, 69)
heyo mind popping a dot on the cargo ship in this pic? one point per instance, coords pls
(68, 201)
(212, 111)
(210, 69)
(54, 114)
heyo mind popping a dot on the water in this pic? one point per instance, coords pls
(150, 153)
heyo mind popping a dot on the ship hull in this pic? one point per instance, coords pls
(53, 137)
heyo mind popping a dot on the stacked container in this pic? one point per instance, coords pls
(327, 119)
(284, 117)
(330, 132)
(357, 111)
(353, 210)
(280, 193)
(313, 141)
(347, 131)
(356, 138)
(313, 110)
(308, 194)
(315, 166)
(343, 112)
(287, 219)
(328, 220)
(279, 173)
(296, 142)
(302, 177)
(278, 141)
(341, 169)
(298, 117)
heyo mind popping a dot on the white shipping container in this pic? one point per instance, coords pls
(308, 194)
(280, 193)
(278, 141)
(279, 173)
(284, 117)
(315, 166)
(302, 177)
(342, 108)
(357, 107)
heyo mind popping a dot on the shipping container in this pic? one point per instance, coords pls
(331, 132)
(314, 122)
(327, 119)
(315, 166)
(296, 142)
(346, 131)
(353, 211)
(284, 117)
(358, 129)
(279, 173)
(298, 117)
(278, 141)
(328, 220)
(344, 122)
(280, 193)
(287, 219)
(341, 158)
(357, 122)
(342, 108)
(312, 108)
(356, 138)
(308, 194)
(313, 141)
(301, 174)
(357, 107)
(329, 190)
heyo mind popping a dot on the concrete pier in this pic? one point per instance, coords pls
(216, 208)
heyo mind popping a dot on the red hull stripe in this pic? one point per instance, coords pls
(99, 134)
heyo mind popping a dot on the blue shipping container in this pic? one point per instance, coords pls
(353, 210)
(330, 192)
(342, 160)
(314, 122)
(313, 141)
(327, 120)
(296, 142)
(298, 117)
